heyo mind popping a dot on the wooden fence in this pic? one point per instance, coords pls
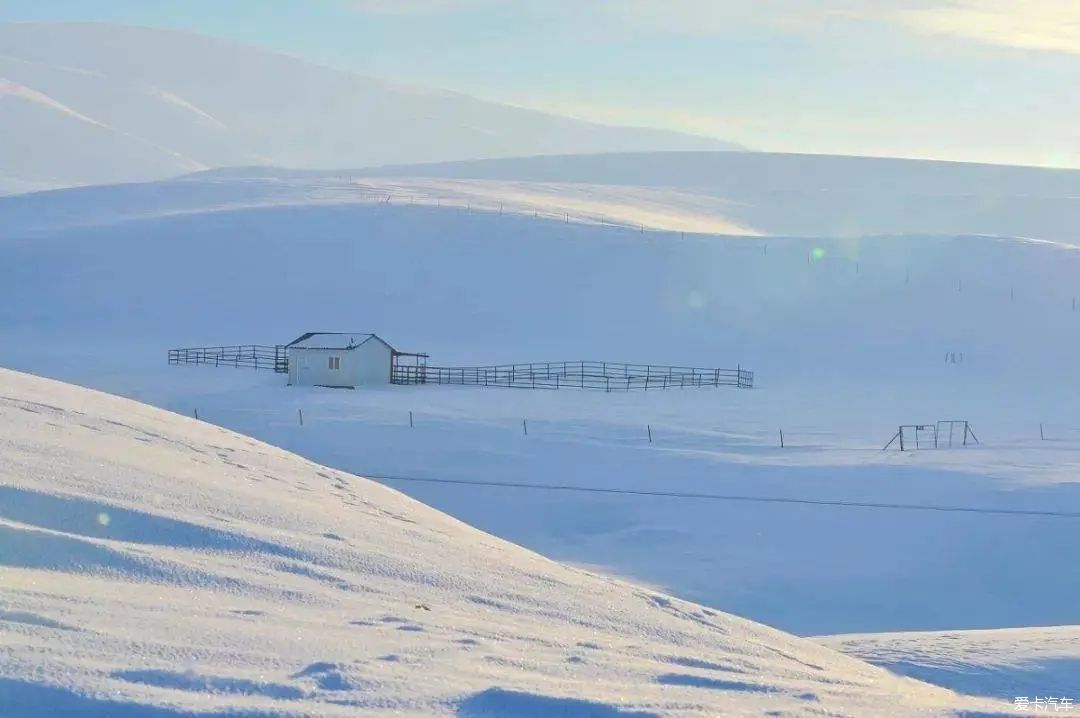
(253, 356)
(597, 375)
(604, 376)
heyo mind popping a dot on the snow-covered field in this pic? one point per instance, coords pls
(156, 566)
(1005, 663)
(730, 193)
(848, 338)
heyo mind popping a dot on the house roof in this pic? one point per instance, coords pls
(343, 341)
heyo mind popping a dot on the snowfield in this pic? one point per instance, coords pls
(848, 337)
(1004, 663)
(153, 565)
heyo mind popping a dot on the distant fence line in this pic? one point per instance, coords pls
(251, 356)
(595, 375)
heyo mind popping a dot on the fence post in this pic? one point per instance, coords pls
(781, 437)
(196, 414)
(300, 413)
(1042, 437)
(410, 420)
(649, 427)
(525, 427)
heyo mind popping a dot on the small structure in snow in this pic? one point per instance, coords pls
(356, 359)
(339, 359)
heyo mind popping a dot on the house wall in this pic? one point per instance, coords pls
(366, 365)
(370, 363)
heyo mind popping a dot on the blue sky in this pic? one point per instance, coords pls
(989, 80)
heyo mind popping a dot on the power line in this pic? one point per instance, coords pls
(733, 497)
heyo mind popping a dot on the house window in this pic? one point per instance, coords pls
(335, 363)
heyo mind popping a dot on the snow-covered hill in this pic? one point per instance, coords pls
(730, 193)
(91, 103)
(153, 565)
(809, 195)
(848, 337)
(1037, 664)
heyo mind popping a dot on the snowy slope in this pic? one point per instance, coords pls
(845, 348)
(75, 109)
(730, 193)
(848, 338)
(1007, 663)
(154, 565)
(814, 195)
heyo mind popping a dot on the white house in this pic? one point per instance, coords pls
(339, 359)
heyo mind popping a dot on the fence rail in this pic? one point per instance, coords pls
(597, 375)
(254, 356)
(604, 376)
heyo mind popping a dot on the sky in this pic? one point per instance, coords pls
(983, 80)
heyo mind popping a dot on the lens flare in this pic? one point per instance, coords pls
(818, 254)
(103, 519)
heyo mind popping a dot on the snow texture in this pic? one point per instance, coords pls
(848, 338)
(154, 565)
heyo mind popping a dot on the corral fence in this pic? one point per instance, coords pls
(252, 356)
(597, 375)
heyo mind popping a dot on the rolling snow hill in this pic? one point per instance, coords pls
(92, 103)
(158, 566)
(810, 195)
(729, 193)
(848, 337)
(1005, 663)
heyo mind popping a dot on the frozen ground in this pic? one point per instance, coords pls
(1007, 663)
(848, 339)
(157, 566)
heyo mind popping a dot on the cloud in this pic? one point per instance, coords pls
(1049, 25)
(1052, 25)
(717, 17)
